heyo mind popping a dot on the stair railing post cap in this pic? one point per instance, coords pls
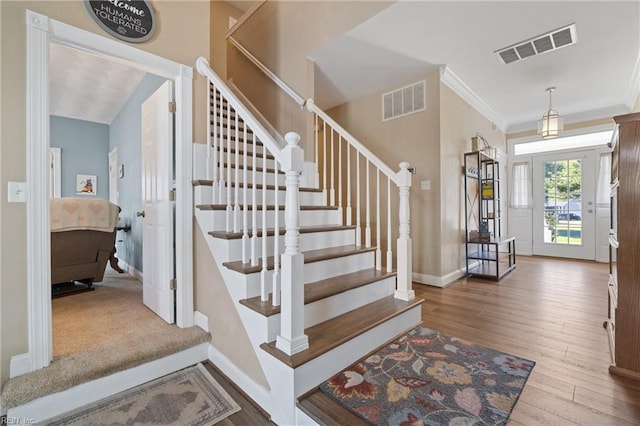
(292, 138)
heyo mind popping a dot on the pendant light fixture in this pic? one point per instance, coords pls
(551, 124)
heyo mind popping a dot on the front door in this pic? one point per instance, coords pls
(157, 215)
(564, 212)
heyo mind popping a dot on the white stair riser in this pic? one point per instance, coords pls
(258, 177)
(308, 241)
(315, 271)
(215, 220)
(259, 160)
(203, 194)
(338, 304)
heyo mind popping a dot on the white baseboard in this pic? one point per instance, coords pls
(86, 393)
(201, 320)
(436, 281)
(20, 364)
(259, 394)
(130, 269)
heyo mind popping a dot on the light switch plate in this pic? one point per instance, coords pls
(17, 192)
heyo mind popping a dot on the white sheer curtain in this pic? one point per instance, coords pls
(603, 190)
(520, 186)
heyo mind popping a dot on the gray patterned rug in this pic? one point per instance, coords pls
(187, 397)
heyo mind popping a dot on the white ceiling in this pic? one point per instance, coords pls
(88, 87)
(595, 78)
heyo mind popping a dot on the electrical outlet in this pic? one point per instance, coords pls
(425, 185)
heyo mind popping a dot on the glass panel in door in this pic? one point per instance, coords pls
(564, 212)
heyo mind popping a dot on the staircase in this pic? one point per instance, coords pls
(306, 275)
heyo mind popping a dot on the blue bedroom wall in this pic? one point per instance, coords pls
(125, 134)
(85, 149)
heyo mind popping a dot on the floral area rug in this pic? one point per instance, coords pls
(429, 378)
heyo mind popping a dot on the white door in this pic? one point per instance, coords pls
(55, 172)
(157, 214)
(113, 175)
(564, 212)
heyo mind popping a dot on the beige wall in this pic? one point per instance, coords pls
(459, 121)
(228, 334)
(182, 36)
(220, 13)
(282, 34)
(416, 139)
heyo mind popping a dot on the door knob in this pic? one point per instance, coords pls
(139, 214)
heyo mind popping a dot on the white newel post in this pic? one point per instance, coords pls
(403, 289)
(292, 339)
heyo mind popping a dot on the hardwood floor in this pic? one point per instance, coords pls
(550, 311)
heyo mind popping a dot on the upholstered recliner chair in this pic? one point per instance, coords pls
(82, 238)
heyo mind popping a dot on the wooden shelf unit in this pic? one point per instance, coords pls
(488, 253)
(623, 322)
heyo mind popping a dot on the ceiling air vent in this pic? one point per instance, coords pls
(546, 42)
(403, 101)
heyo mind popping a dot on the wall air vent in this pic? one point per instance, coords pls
(404, 101)
(547, 42)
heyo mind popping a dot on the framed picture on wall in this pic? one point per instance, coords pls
(86, 184)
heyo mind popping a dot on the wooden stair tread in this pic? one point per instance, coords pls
(259, 206)
(271, 231)
(209, 182)
(330, 334)
(310, 256)
(326, 411)
(322, 289)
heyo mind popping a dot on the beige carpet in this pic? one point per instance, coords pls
(187, 397)
(99, 333)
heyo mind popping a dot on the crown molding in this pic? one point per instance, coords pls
(457, 85)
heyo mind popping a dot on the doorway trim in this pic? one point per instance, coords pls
(40, 32)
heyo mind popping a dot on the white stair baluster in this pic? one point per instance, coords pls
(264, 291)
(275, 288)
(228, 165)
(324, 162)
(340, 216)
(245, 214)
(211, 99)
(389, 252)
(236, 192)
(214, 133)
(254, 206)
(378, 238)
(332, 193)
(367, 230)
(349, 213)
(358, 203)
(316, 141)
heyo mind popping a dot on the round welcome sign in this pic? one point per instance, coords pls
(129, 20)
